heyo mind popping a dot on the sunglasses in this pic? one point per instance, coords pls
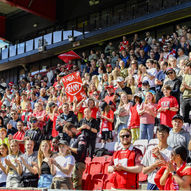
(125, 136)
(13, 114)
(169, 73)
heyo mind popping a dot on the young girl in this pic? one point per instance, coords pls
(3, 138)
(147, 112)
(134, 121)
(44, 165)
(107, 119)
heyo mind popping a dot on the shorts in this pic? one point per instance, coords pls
(105, 135)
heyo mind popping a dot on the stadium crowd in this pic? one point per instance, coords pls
(136, 91)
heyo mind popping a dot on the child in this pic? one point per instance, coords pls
(3, 138)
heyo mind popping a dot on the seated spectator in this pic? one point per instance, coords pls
(170, 177)
(45, 166)
(64, 163)
(34, 133)
(147, 112)
(14, 166)
(12, 124)
(125, 164)
(167, 106)
(29, 169)
(154, 157)
(3, 155)
(178, 136)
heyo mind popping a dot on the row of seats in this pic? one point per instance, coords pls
(96, 177)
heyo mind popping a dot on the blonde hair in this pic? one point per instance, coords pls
(41, 154)
(121, 102)
(124, 130)
(95, 80)
(153, 100)
(13, 141)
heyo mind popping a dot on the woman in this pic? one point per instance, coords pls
(64, 163)
(14, 166)
(122, 113)
(3, 156)
(147, 112)
(107, 119)
(2, 125)
(176, 175)
(44, 165)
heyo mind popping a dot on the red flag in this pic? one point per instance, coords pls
(73, 86)
(67, 56)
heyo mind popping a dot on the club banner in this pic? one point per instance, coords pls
(67, 56)
(73, 86)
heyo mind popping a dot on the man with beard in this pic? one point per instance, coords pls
(125, 165)
(78, 148)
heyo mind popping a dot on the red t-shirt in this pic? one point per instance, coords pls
(20, 136)
(94, 111)
(166, 116)
(106, 125)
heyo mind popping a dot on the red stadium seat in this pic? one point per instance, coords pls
(86, 181)
(99, 159)
(107, 184)
(105, 167)
(97, 182)
(95, 168)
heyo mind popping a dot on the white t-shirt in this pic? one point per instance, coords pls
(3, 176)
(148, 160)
(63, 161)
(151, 72)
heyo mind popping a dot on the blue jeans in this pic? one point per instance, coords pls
(152, 186)
(146, 131)
(120, 127)
(45, 181)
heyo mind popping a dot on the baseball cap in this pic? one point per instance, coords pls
(110, 86)
(108, 65)
(63, 142)
(178, 117)
(169, 69)
(120, 79)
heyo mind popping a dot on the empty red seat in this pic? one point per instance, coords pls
(97, 182)
(107, 184)
(105, 167)
(95, 168)
(99, 159)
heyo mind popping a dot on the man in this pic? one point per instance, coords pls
(89, 127)
(155, 157)
(78, 149)
(29, 165)
(178, 136)
(66, 116)
(185, 88)
(34, 133)
(12, 124)
(125, 164)
(150, 73)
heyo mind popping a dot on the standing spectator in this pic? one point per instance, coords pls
(14, 167)
(45, 167)
(84, 61)
(50, 75)
(64, 163)
(176, 174)
(186, 90)
(114, 59)
(154, 157)
(29, 166)
(34, 133)
(147, 112)
(107, 119)
(89, 128)
(66, 116)
(167, 106)
(125, 164)
(178, 136)
(79, 150)
(174, 83)
(109, 49)
(3, 155)
(92, 56)
(134, 120)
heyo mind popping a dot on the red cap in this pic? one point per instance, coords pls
(10, 83)
(108, 65)
(107, 87)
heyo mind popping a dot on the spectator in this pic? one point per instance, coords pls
(174, 83)
(3, 137)
(147, 112)
(178, 136)
(12, 124)
(45, 166)
(34, 133)
(89, 128)
(79, 150)
(109, 49)
(14, 167)
(66, 116)
(186, 90)
(84, 60)
(125, 164)
(171, 178)
(3, 155)
(64, 163)
(107, 118)
(156, 157)
(181, 56)
(29, 169)
(167, 106)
